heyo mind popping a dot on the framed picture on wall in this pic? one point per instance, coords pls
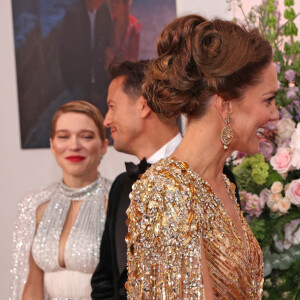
(63, 49)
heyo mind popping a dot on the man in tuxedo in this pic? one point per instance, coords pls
(137, 130)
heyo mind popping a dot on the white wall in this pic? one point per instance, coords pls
(24, 170)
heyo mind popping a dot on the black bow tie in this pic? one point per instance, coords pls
(134, 170)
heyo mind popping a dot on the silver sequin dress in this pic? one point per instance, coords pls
(82, 247)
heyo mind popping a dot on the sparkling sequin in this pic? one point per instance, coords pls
(172, 213)
(82, 247)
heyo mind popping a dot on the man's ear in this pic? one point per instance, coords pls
(224, 107)
(145, 109)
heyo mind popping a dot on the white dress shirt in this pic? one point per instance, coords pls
(165, 150)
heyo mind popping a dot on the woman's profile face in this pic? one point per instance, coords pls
(251, 114)
(77, 146)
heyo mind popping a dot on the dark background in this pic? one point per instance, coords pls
(41, 90)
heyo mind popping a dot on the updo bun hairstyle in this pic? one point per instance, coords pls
(198, 58)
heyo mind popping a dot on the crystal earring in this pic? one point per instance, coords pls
(226, 133)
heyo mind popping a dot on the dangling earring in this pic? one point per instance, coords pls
(226, 133)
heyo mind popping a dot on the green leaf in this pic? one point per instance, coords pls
(289, 14)
(289, 2)
(290, 29)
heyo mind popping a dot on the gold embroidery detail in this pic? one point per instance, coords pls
(172, 213)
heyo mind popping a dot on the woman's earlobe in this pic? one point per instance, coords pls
(229, 106)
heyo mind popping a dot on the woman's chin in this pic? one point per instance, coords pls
(251, 149)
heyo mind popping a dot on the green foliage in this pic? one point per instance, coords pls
(255, 174)
(252, 173)
(261, 229)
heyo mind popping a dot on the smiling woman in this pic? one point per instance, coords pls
(77, 147)
(187, 238)
(65, 221)
(251, 115)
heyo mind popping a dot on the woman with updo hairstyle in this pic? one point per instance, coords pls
(187, 238)
(59, 227)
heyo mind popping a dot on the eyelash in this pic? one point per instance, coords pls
(85, 136)
(269, 101)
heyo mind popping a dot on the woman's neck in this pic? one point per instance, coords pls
(202, 149)
(79, 181)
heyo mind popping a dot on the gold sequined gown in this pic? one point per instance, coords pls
(172, 213)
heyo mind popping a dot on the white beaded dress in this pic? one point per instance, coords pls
(81, 252)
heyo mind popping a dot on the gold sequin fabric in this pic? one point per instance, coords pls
(174, 214)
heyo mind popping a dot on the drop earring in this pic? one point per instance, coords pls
(226, 133)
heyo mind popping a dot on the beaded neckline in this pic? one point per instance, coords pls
(230, 189)
(83, 193)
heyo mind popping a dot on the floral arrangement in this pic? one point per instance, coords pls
(269, 182)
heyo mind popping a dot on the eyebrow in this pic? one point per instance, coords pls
(271, 92)
(81, 131)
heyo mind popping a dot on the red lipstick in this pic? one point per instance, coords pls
(75, 158)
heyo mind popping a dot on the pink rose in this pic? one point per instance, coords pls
(281, 161)
(293, 192)
(273, 206)
(274, 201)
(284, 205)
(276, 187)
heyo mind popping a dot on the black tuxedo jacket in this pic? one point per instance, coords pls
(107, 281)
(111, 274)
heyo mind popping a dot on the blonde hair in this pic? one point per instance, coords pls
(83, 107)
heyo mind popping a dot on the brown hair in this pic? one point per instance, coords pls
(83, 107)
(198, 58)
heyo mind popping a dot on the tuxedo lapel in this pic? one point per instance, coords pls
(121, 227)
